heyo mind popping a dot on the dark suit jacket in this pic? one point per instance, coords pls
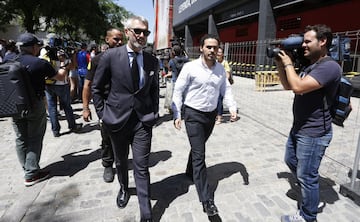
(115, 110)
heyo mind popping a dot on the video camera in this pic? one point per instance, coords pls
(292, 47)
(56, 44)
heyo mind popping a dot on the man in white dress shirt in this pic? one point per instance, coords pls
(198, 87)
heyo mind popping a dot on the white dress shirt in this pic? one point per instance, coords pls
(199, 87)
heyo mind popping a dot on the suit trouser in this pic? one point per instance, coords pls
(137, 135)
(107, 153)
(199, 126)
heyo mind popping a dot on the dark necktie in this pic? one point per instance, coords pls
(135, 72)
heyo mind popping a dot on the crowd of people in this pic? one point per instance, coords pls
(8, 50)
(123, 81)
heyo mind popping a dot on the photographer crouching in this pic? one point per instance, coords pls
(311, 131)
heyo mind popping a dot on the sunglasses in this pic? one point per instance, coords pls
(139, 31)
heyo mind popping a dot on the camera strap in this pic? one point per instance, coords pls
(312, 66)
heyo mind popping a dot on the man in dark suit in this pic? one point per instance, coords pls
(130, 109)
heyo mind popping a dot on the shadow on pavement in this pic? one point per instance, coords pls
(164, 118)
(154, 159)
(73, 163)
(168, 189)
(84, 129)
(327, 193)
(46, 211)
(224, 170)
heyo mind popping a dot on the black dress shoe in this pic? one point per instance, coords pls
(122, 199)
(209, 208)
(146, 220)
(108, 174)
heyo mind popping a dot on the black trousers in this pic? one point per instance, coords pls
(107, 153)
(137, 135)
(199, 126)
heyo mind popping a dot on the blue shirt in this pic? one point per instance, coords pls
(310, 117)
(172, 65)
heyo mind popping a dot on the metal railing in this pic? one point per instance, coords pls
(246, 58)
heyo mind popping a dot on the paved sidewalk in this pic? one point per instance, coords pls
(244, 159)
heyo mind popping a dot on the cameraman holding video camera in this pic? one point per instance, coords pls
(311, 131)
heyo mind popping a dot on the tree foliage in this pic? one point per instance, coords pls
(75, 19)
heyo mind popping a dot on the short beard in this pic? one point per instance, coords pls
(138, 45)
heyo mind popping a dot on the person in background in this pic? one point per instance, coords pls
(83, 59)
(175, 65)
(30, 129)
(114, 38)
(198, 87)
(74, 79)
(311, 132)
(61, 90)
(220, 59)
(104, 47)
(2, 49)
(11, 51)
(129, 109)
(93, 51)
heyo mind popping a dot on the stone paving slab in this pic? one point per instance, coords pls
(244, 159)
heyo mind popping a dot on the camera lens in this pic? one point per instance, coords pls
(272, 52)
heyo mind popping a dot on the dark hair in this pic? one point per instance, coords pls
(322, 32)
(111, 29)
(11, 45)
(209, 36)
(177, 50)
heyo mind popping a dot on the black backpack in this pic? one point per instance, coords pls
(16, 91)
(341, 106)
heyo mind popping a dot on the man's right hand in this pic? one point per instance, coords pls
(177, 124)
(86, 115)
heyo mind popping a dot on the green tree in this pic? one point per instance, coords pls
(76, 19)
(115, 14)
(27, 12)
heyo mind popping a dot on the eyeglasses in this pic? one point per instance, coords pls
(139, 31)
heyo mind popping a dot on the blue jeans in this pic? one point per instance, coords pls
(29, 132)
(303, 156)
(63, 92)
